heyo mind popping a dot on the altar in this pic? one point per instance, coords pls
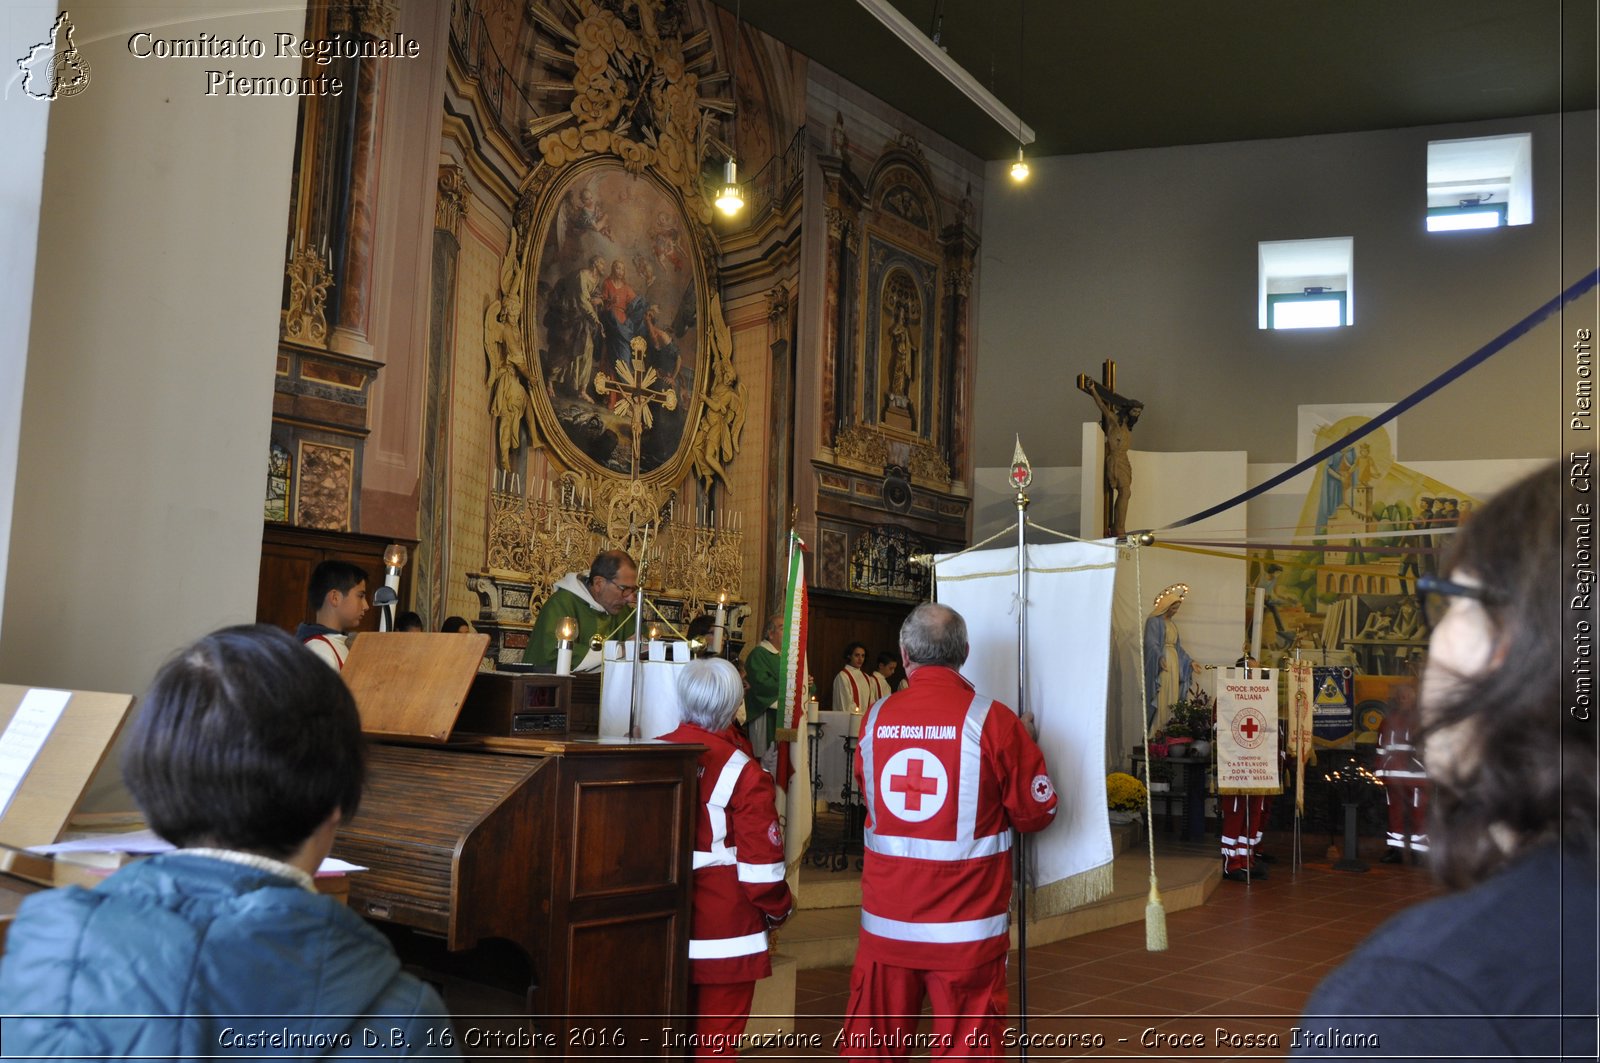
(833, 762)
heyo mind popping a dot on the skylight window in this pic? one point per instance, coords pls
(1480, 182)
(1306, 283)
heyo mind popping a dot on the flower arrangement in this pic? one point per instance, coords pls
(1124, 793)
(1192, 717)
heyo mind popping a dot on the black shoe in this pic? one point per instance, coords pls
(1258, 872)
(1391, 855)
(1266, 858)
(1236, 875)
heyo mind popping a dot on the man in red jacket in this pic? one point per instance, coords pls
(947, 774)
(739, 887)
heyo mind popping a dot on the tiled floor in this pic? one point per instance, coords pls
(1239, 966)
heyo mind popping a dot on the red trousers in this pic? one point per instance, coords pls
(720, 1013)
(969, 1010)
(1408, 815)
(1238, 840)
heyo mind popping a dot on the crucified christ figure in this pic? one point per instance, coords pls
(1118, 415)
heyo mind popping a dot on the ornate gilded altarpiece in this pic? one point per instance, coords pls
(896, 372)
(606, 343)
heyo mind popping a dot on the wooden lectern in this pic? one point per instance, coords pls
(546, 876)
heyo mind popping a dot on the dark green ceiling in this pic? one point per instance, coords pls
(1105, 75)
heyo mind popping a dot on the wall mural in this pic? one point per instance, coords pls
(1352, 604)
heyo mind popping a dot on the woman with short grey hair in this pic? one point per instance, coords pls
(739, 885)
(710, 690)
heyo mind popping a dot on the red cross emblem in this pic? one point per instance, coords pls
(1248, 730)
(913, 785)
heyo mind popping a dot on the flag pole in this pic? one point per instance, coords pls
(1021, 477)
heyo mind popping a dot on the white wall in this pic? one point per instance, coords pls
(23, 122)
(1149, 257)
(147, 397)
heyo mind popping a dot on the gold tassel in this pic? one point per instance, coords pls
(1155, 921)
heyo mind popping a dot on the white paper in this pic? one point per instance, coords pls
(25, 736)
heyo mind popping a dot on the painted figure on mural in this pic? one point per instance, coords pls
(1338, 473)
(572, 322)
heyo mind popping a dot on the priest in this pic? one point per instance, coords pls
(601, 602)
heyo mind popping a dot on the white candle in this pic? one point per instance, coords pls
(720, 626)
(564, 659)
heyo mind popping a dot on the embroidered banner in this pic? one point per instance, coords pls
(1247, 731)
(1301, 747)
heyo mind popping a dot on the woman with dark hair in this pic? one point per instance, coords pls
(1505, 963)
(246, 754)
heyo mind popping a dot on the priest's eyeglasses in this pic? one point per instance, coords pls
(625, 588)
(1434, 594)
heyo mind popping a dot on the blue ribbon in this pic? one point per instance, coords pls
(1472, 361)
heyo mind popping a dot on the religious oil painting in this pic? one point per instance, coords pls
(616, 320)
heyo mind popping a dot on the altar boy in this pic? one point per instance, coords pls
(338, 597)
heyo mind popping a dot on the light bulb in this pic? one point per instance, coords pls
(1019, 169)
(394, 555)
(729, 200)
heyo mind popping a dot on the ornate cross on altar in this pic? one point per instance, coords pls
(636, 390)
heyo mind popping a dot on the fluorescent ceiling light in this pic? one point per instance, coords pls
(953, 72)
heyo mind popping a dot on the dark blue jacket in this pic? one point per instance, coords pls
(237, 961)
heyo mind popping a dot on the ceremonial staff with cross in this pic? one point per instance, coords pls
(636, 391)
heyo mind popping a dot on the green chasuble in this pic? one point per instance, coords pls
(569, 599)
(764, 668)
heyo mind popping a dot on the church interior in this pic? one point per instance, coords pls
(483, 303)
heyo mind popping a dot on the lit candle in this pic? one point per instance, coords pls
(566, 631)
(720, 624)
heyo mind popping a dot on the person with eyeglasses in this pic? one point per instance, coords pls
(1504, 964)
(601, 603)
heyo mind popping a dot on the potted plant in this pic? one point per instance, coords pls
(1160, 779)
(1191, 722)
(1125, 797)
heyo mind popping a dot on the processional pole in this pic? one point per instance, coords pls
(636, 696)
(1021, 477)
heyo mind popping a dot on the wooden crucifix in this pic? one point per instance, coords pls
(636, 390)
(1118, 415)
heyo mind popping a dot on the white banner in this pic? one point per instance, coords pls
(1247, 731)
(1069, 645)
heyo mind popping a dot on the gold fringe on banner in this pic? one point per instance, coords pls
(1074, 891)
